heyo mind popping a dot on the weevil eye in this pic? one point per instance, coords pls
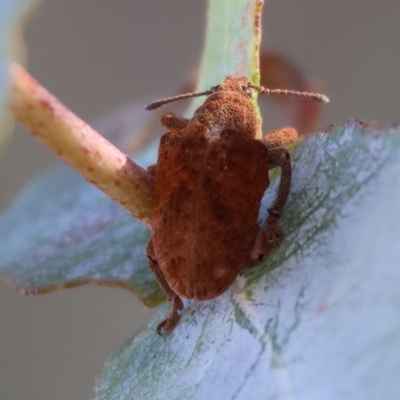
(215, 88)
(247, 90)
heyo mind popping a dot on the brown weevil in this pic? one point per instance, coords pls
(209, 179)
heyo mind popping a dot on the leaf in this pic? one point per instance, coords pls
(11, 12)
(232, 43)
(320, 318)
(62, 232)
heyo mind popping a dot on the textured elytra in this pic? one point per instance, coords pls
(205, 208)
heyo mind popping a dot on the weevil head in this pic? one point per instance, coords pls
(229, 107)
(235, 85)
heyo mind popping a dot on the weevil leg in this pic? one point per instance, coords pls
(280, 138)
(151, 169)
(171, 121)
(173, 317)
(166, 138)
(279, 157)
(260, 248)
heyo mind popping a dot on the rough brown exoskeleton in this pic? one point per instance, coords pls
(210, 177)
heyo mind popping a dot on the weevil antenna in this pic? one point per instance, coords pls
(159, 103)
(305, 95)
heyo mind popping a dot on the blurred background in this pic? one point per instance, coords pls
(95, 56)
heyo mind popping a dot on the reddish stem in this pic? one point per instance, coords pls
(80, 146)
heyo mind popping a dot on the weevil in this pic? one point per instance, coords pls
(209, 179)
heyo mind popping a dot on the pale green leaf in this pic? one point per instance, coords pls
(232, 40)
(11, 46)
(62, 232)
(320, 319)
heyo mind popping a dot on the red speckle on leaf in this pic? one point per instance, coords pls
(90, 169)
(323, 304)
(245, 16)
(117, 183)
(330, 128)
(241, 46)
(376, 155)
(137, 186)
(85, 151)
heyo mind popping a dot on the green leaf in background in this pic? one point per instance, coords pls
(231, 44)
(233, 38)
(11, 46)
(320, 319)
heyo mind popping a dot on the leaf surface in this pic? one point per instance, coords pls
(320, 318)
(63, 232)
(11, 45)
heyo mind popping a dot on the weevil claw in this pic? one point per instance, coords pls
(260, 247)
(169, 324)
(274, 234)
(172, 319)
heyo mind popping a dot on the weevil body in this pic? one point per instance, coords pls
(210, 177)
